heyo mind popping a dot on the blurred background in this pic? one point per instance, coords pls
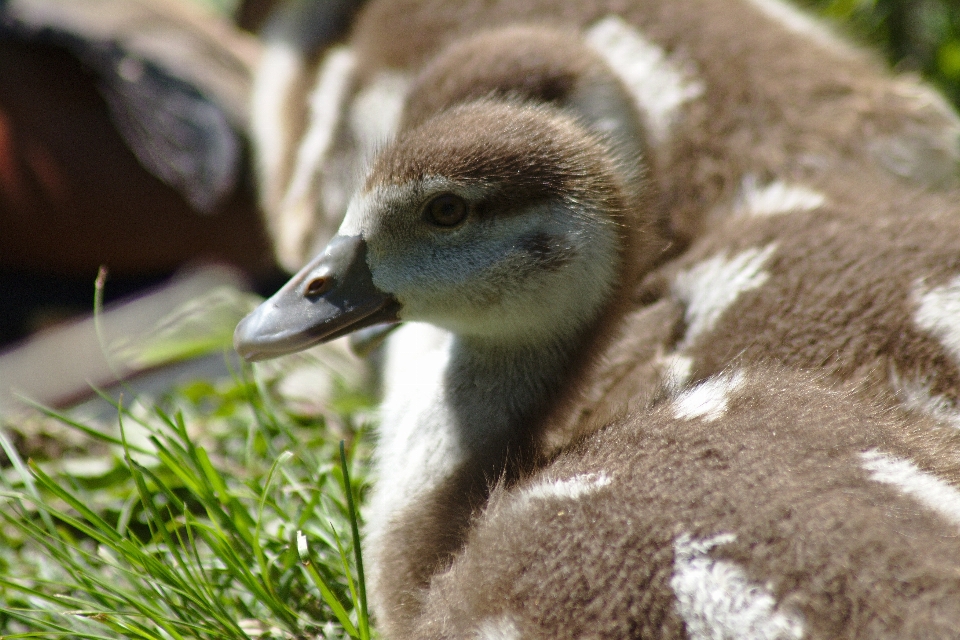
(920, 36)
(124, 161)
(123, 145)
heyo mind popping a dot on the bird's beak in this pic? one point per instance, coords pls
(330, 297)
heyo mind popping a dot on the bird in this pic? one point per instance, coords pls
(569, 445)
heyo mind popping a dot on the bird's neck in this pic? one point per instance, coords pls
(496, 391)
(460, 414)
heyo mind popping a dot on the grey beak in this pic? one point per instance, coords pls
(330, 297)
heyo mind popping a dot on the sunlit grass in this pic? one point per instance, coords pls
(212, 514)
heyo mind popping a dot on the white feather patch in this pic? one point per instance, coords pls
(327, 100)
(709, 399)
(938, 311)
(795, 20)
(415, 451)
(497, 629)
(659, 86)
(717, 601)
(567, 489)
(710, 287)
(919, 396)
(675, 371)
(775, 198)
(376, 110)
(924, 487)
(280, 69)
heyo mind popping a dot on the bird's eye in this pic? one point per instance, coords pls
(446, 210)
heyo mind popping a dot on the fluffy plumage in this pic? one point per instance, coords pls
(735, 89)
(593, 436)
(766, 515)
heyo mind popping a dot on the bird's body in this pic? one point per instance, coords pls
(548, 465)
(759, 504)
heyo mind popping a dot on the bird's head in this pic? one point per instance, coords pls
(493, 220)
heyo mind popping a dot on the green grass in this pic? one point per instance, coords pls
(914, 35)
(210, 513)
(217, 511)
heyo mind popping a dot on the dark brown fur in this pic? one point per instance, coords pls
(839, 297)
(780, 470)
(534, 156)
(529, 63)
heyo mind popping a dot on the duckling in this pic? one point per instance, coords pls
(477, 221)
(498, 229)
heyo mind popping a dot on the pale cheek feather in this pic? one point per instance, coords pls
(712, 286)
(490, 287)
(544, 306)
(938, 311)
(924, 487)
(501, 628)
(659, 86)
(775, 198)
(709, 399)
(801, 24)
(716, 599)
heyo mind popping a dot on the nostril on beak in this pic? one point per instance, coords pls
(317, 287)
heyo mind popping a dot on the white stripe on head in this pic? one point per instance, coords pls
(710, 287)
(775, 198)
(659, 86)
(924, 487)
(709, 399)
(717, 601)
(938, 311)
